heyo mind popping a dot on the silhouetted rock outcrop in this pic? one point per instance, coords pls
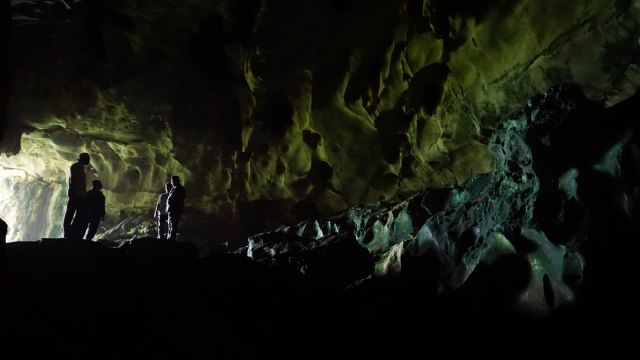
(331, 262)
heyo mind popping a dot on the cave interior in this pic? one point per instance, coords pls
(364, 178)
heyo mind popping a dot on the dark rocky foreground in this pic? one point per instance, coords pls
(74, 299)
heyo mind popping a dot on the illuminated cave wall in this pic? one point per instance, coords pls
(275, 111)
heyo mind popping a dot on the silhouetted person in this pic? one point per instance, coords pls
(95, 208)
(175, 206)
(3, 231)
(3, 246)
(161, 212)
(75, 217)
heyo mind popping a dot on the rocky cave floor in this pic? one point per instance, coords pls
(77, 299)
(317, 294)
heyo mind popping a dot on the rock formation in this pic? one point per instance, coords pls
(276, 111)
(401, 178)
(538, 207)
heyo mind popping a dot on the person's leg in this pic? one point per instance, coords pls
(174, 220)
(163, 226)
(170, 231)
(68, 217)
(159, 220)
(80, 221)
(3, 248)
(176, 225)
(93, 228)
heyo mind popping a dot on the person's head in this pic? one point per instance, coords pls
(168, 187)
(97, 184)
(84, 159)
(175, 180)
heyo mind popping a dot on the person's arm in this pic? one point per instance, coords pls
(170, 200)
(102, 208)
(156, 212)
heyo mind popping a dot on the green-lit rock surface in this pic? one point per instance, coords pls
(276, 111)
(533, 215)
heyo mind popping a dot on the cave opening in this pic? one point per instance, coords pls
(33, 196)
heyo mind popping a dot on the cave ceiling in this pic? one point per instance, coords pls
(274, 111)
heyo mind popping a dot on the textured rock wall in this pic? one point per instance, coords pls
(275, 111)
(557, 212)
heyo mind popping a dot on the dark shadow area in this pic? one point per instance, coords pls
(277, 115)
(6, 71)
(155, 299)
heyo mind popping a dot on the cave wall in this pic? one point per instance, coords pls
(275, 111)
(5, 65)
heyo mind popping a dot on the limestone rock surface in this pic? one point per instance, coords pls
(276, 111)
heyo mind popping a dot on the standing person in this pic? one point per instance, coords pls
(161, 212)
(75, 217)
(95, 208)
(175, 206)
(3, 247)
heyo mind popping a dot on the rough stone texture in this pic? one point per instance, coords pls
(330, 262)
(529, 217)
(275, 110)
